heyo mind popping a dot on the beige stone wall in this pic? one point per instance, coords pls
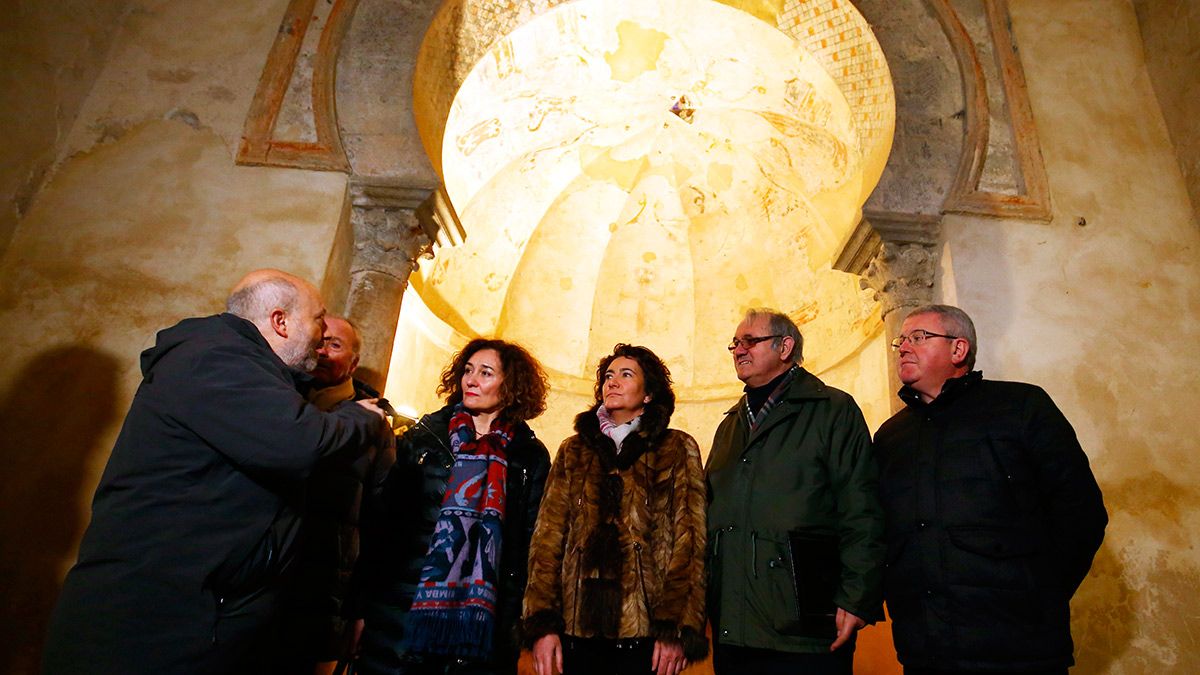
(1104, 315)
(51, 54)
(145, 220)
(1171, 36)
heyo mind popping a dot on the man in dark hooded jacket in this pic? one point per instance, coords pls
(195, 516)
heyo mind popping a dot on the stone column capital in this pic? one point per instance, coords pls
(896, 254)
(901, 275)
(394, 225)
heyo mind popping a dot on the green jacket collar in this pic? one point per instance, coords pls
(804, 387)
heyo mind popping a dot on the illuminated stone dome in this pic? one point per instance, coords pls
(633, 171)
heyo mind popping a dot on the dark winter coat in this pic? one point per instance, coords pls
(647, 579)
(993, 517)
(808, 466)
(195, 516)
(313, 623)
(396, 535)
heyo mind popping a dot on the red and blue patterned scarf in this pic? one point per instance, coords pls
(454, 609)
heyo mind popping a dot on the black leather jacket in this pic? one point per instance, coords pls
(396, 534)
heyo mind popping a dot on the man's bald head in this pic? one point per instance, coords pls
(286, 309)
(261, 291)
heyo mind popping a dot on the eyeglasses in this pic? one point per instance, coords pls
(918, 337)
(749, 342)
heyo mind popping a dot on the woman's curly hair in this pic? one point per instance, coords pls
(657, 382)
(523, 389)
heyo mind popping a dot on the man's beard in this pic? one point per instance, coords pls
(299, 355)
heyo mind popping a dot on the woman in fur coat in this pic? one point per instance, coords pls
(616, 565)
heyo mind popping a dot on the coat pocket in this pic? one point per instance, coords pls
(771, 569)
(248, 571)
(991, 557)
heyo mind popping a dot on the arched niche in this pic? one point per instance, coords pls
(964, 138)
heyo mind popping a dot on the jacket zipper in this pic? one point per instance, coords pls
(434, 436)
(1006, 477)
(578, 584)
(717, 539)
(217, 618)
(637, 548)
(754, 552)
(518, 518)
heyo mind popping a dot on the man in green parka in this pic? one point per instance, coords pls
(795, 530)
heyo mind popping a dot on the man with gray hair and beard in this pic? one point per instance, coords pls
(195, 516)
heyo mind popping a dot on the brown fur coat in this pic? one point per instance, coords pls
(618, 550)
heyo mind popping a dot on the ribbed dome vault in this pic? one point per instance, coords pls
(635, 171)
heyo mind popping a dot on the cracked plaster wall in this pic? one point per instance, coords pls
(52, 53)
(1106, 316)
(1171, 35)
(145, 219)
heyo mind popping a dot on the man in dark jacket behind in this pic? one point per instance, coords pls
(791, 459)
(993, 515)
(195, 516)
(312, 631)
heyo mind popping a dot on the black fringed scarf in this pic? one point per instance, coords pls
(600, 595)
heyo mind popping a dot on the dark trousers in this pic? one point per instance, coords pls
(951, 671)
(440, 665)
(600, 656)
(731, 660)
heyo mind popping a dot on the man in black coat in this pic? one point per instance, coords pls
(993, 515)
(312, 631)
(195, 516)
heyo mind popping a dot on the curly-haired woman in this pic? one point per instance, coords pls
(616, 567)
(443, 562)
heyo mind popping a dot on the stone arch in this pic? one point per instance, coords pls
(553, 104)
(954, 66)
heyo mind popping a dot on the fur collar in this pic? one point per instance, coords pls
(642, 440)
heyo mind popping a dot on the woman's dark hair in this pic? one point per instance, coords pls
(523, 390)
(657, 383)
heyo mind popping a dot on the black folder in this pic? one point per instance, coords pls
(816, 573)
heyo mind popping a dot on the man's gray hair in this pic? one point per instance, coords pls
(256, 301)
(780, 324)
(956, 323)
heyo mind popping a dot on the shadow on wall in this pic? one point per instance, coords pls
(52, 416)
